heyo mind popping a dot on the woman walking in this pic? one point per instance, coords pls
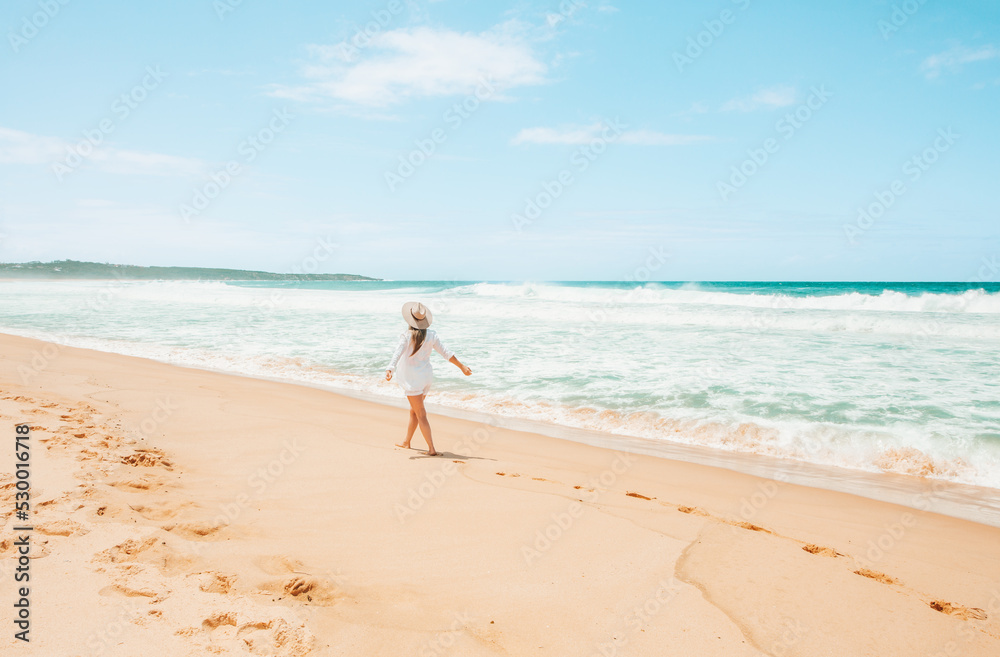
(415, 373)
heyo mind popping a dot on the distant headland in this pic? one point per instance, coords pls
(75, 269)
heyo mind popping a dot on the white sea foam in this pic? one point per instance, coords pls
(970, 301)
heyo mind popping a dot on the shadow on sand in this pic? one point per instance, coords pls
(447, 455)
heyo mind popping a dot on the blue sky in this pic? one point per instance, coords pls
(607, 140)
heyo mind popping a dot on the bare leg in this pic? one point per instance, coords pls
(409, 430)
(417, 405)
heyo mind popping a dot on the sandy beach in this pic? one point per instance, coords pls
(179, 511)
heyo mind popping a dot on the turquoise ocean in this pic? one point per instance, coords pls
(880, 377)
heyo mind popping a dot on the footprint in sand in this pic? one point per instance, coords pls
(147, 458)
(272, 637)
(195, 531)
(89, 492)
(63, 504)
(261, 636)
(958, 611)
(127, 551)
(163, 511)
(135, 485)
(639, 496)
(61, 528)
(693, 510)
(296, 582)
(218, 620)
(39, 548)
(305, 588)
(749, 525)
(111, 443)
(138, 581)
(53, 441)
(90, 455)
(822, 551)
(103, 510)
(152, 550)
(213, 582)
(877, 576)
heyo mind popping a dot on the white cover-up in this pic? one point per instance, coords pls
(415, 374)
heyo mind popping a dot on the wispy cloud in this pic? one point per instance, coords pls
(17, 147)
(114, 160)
(419, 62)
(952, 60)
(220, 71)
(579, 135)
(652, 138)
(568, 11)
(699, 107)
(769, 98)
(979, 86)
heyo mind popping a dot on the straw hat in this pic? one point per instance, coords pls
(417, 314)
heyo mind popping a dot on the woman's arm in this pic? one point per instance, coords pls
(465, 370)
(449, 354)
(403, 341)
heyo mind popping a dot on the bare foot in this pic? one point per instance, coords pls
(403, 445)
(432, 453)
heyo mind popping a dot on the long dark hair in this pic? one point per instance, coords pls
(417, 335)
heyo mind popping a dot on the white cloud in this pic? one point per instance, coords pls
(220, 71)
(579, 135)
(954, 58)
(17, 147)
(651, 138)
(777, 96)
(699, 107)
(419, 62)
(113, 160)
(979, 86)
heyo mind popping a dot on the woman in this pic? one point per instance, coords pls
(415, 372)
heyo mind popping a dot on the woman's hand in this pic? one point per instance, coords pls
(388, 375)
(460, 365)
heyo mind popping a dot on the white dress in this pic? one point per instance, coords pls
(415, 374)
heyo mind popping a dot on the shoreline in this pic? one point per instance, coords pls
(196, 510)
(979, 504)
(957, 499)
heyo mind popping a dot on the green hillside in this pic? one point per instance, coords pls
(74, 269)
